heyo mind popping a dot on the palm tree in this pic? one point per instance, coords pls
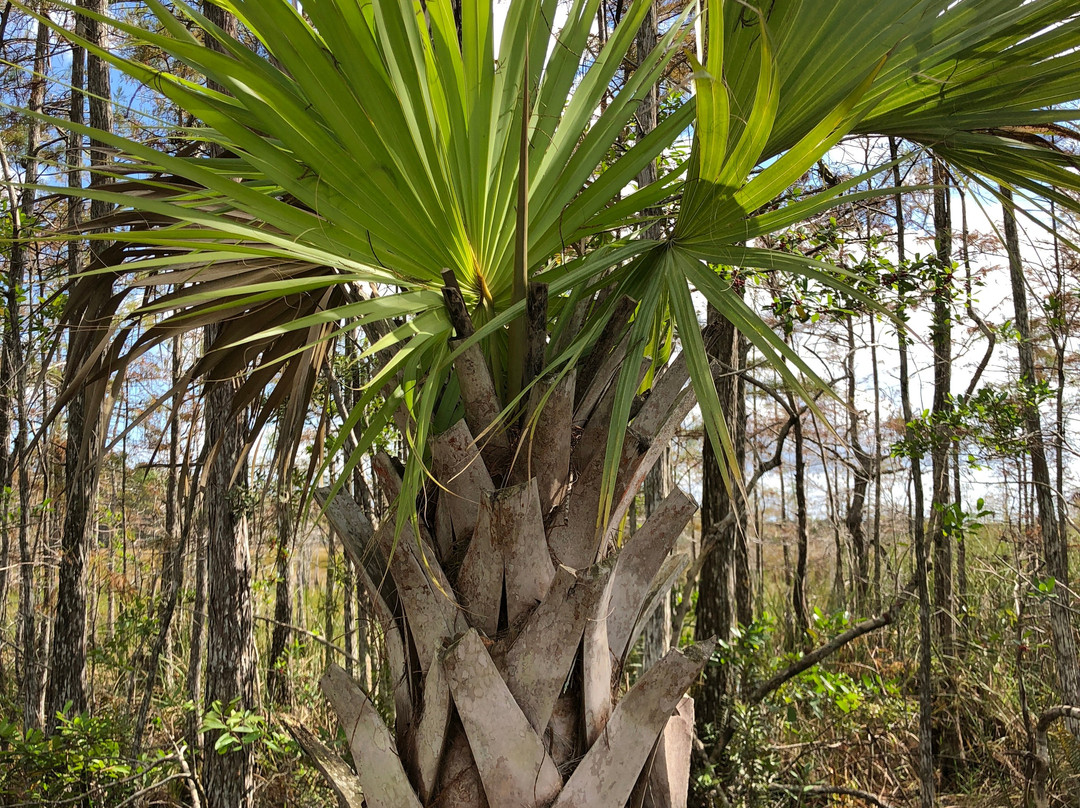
(467, 202)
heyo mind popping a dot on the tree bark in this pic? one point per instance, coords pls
(927, 783)
(800, 612)
(29, 647)
(504, 666)
(716, 585)
(86, 416)
(863, 472)
(948, 748)
(230, 648)
(278, 684)
(1055, 542)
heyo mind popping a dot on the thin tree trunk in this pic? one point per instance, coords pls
(1060, 335)
(799, 609)
(941, 341)
(67, 658)
(1055, 544)
(877, 464)
(838, 598)
(278, 684)
(927, 784)
(863, 472)
(715, 603)
(29, 663)
(172, 560)
(948, 748)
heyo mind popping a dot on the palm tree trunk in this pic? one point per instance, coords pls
(505, 664)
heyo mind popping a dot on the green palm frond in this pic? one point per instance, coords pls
(374, 147)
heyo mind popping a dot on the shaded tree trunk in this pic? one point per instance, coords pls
(927, 783)
(948, 748)
(29, 646)
(230, 648)
(278, 684)
(800, 612)
(716, 585)
(86, 417)
(941, 341)
(230, 645)
(863, 471)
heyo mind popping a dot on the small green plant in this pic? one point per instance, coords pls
(237, 728)
(84, 755)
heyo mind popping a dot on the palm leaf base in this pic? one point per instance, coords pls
(508, 621)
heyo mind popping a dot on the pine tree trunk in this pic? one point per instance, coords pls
(67, 658)
(230, 648)
(800, 611)
(863, 471)
(716, 585)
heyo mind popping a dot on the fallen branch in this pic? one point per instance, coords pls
(1042, 750)
(826, 791)
(344, 783)
(812, 658)
(311, 636)
(153, 787)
